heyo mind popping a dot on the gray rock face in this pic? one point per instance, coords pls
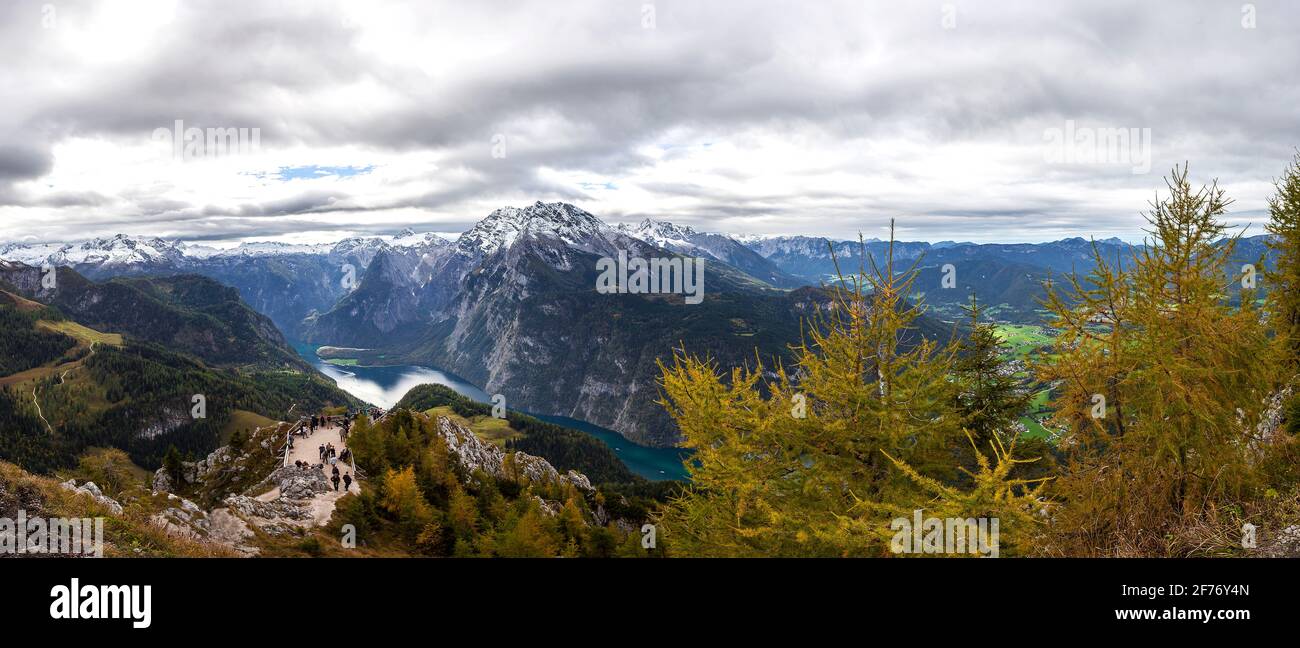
(278, 508)
(91, 490)
(184, 519)
(193, 471)
(580, 480)
(551, 509)
(1270, 420)
(162, 482)
(296, 483)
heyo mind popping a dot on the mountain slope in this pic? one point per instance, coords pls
(188, 313)
(93, 388)
(686, 241)
(378, 312)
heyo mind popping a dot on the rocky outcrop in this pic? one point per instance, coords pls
(91, 490)
(278, 508)
(219, 526)
(162, 482)
(184, 518)
(580, 480)
(1270, 420)
(294, 482)
(474, 454)
(243, 492)
(233, 524)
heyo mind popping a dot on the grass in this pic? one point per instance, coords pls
(1023, 339)
(84, 336)
(342, 362)
(33, 374)
(1023, 342)
(130, 534)
(1033, 430)
(95, 455)
(487, 428)
(494, 430)
(81, 333)
(243, 420)
(23, 304)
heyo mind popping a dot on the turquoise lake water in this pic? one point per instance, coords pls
(384, 386)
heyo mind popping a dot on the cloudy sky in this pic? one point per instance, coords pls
(965, 120)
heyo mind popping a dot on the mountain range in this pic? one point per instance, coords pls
(509, 305)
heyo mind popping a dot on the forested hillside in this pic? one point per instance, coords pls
(66, 386)
(186, 313)
(441, 491)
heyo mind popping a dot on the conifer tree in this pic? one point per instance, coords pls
(402, 500)
(1284, 278)
(172, 463)
(989, 398)
(804, 469)
(1160, 382)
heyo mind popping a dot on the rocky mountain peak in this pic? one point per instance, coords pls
(662, 233)
(503, 227)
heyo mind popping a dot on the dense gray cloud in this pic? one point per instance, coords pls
(739, 116)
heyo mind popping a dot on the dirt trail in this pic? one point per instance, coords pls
(70, 366)
(38, 411)
(308, 449)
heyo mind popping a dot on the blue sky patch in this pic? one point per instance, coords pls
(310, 171)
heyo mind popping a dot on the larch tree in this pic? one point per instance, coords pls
(815, 463)
(1284, 277)
(1162, 371)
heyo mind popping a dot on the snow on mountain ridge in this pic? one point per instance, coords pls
(662, 234)
(504, 226)
(408, 238)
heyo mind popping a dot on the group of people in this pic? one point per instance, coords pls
(334, 477)
(347, 480)
(328, 454)
(315, 422)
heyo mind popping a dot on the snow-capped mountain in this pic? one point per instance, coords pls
(119, 251)
(409, 239)
(357, 249)
(560, 222)
(662, 234)
(253, 249)
(814, 247)
(30, 254)
(684, 240)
